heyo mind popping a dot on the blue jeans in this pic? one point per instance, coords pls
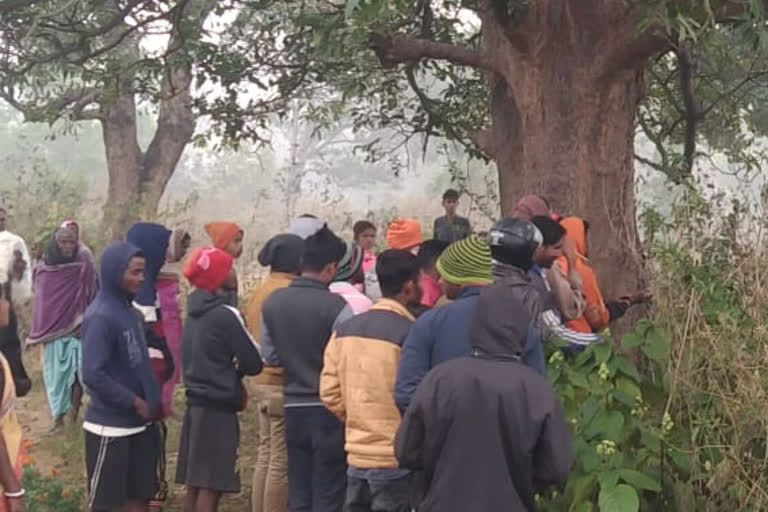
(317, 467)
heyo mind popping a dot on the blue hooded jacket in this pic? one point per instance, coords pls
(153, 240)
(116, 367)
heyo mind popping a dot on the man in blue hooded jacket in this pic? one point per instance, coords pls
(121, 442)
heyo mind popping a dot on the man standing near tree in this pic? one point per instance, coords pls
(451, 227)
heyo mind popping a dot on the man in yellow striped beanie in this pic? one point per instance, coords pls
(442, 334)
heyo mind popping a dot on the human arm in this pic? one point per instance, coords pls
(242, 344)
(414, 362)
(330, 382)
(98, 349)
(552, 457)
(345, 314)
(553, 327)
(268, 351)
(567, 290)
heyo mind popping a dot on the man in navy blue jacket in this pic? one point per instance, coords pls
(121, 441)
(442, 334)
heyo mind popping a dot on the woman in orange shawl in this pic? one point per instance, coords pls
(597, 314)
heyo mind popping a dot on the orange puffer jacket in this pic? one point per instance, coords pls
(596, 315)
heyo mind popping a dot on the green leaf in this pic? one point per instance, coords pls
(631, 339)
(621, 498)
(629, 388)
(608, 479)
(581, 489)
(640, 480)
(584, 506)
(602, 352)
(626, 366)
(607, 424)
(655, 346)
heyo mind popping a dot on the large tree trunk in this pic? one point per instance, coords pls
(563, 127)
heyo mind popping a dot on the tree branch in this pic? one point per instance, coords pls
(731, 10)
(392, 50)
(76, 99)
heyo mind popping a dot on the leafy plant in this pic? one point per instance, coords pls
(618, 424)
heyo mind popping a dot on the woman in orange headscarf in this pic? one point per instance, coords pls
(597, 314)
(226, 236)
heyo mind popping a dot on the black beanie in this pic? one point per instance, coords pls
(283, 253)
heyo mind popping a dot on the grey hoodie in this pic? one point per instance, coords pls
(487, 431)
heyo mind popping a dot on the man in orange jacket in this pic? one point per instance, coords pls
(597, 314)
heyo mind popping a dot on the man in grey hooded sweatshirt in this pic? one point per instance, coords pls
(487, 431)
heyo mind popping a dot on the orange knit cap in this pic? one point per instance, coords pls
(222, 233)
(404, 234)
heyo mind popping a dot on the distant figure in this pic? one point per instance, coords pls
(348, 275)
(296, 324)
(65, 284)
(16, 278)
(357, 385)
(487, 431)
(443, 333)
(217, 352)
(122, 444)
(168, 296)
(429, 252)
(598, 314)
(451, 227)
(269, 491)
(365, 237)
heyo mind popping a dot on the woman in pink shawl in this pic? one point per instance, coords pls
(65, 283)
(168, 296)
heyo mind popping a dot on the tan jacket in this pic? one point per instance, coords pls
(568, 291)
(358, 382)
(271, 375)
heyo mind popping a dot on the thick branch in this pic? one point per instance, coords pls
(397, 49)
(77, 99)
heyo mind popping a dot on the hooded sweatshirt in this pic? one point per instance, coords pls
(214, 337)
(576, 231)
(116, 367)
(487, 431)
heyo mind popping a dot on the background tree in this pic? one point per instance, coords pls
(548, 89)
(95, 61)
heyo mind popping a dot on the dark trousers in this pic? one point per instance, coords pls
(317, 467)
(378, 495)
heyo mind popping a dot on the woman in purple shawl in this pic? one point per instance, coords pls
(65, 283)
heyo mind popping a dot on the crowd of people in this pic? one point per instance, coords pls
(411, 379)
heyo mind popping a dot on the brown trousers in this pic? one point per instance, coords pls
(270, 476)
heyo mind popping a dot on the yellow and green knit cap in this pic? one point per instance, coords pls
(467, 261)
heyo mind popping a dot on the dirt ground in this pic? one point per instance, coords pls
(62, 453)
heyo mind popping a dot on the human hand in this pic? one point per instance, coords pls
(141, 408)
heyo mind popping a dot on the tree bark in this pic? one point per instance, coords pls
(562, 126)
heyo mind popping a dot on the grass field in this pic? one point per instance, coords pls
(62, 453)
